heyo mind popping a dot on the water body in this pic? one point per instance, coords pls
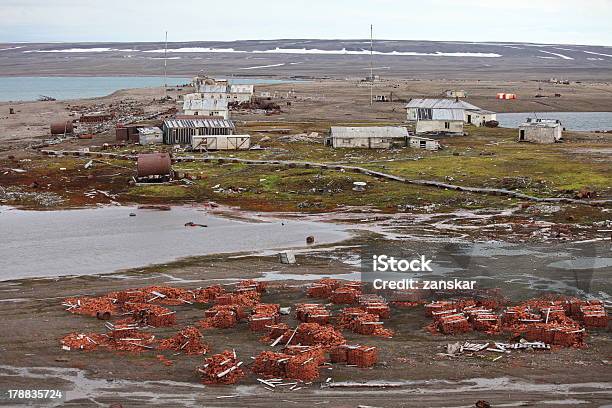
(103, 240)
(62, 88)
(585, 121)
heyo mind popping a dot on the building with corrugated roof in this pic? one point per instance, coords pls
(182, 131)
(540, 131)
(231, 92)
(369, 137)
(439, 121)
(471, 114)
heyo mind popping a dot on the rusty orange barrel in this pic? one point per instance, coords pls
(154, 164)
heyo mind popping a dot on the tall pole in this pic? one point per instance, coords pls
(371, 64)
(166, 67)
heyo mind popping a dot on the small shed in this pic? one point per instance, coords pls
(503, 95)
(369, 137)
(439, 121)
(150, 135)
(181, 131)
(221, 142)
(417, 142)
(540, 131)
(478, 117)
(456, 93)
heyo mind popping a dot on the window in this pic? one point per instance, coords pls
(446, 125)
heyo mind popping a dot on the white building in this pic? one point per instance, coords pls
(371, 137)
(206, 107)
(417, 142)
(221, 142)
(456, 93)
(540, 131)
(471, 114)
(233, 93)
(479, 117)
(150, 135)
(439, 121)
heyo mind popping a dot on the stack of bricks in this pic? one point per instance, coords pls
(264, 315)
(344, 295)
(151, 315)
(251, 285)
(223, 368)
(312, 313)
(311, 334)
(593, 315)
(374, 304)
(302, 366)
(434, 308)
(348, 316)
(361, 356)
(222, 316)
(454, 324)
(205, 295)
(482, 319)
(188, 341)
(323, 288)
(277, 333)
(270, 364)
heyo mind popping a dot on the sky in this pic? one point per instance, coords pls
(540, 21)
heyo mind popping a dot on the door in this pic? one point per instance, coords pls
(469, 119)
(522, 135)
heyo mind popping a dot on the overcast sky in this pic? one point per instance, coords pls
(544, 21)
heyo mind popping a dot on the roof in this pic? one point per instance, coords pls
(537, 122)
(439, 114)
(422, 138)
(369, 131)
(205, 104)
(198, 123)
(149, 130)
(482, 111)
(439, 104)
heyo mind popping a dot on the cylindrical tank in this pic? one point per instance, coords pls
(59, 128)
(154, 164)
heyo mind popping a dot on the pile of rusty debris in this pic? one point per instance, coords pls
(555, 320)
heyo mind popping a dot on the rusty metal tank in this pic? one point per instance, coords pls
(59, 128)
(154, 164)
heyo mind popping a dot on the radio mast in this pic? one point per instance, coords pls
(371, 64)
(166, 67)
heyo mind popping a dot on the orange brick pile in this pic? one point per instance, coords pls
(188, 341)
(222, 316)
(370, 324)
(361, 356)
(323, 288)
(346, 294)
(205, 295)
(279, 333)
(348, 316)
(247, 298)
(555, 320)
(301, 366)
(312, 313)
(83, 341)
(150, 315)
(261, 321)
(374, 304)
(128, 338)
(165, 295)
(91, 306)
(249, 284)
(222, 368)
(310, 334)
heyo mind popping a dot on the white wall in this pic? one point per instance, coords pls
(426, 126)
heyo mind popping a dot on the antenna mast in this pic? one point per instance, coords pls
(371, 64)
(166, 67)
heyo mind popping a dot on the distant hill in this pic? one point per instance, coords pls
(313, 58)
